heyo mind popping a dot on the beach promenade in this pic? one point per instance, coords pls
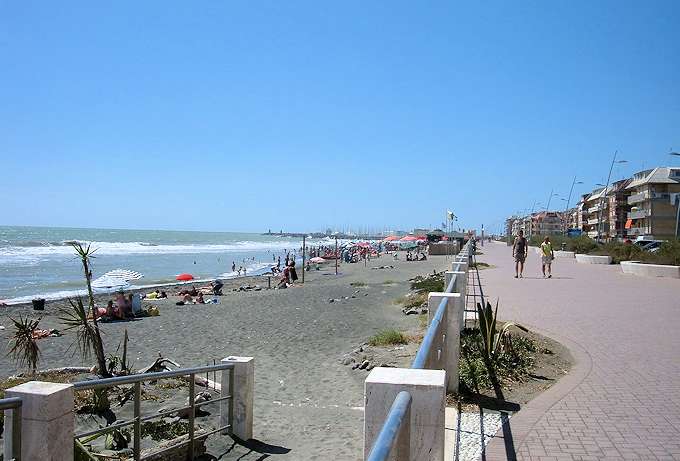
(621, 399)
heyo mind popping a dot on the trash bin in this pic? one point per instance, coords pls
(564, 246)
(38, 304)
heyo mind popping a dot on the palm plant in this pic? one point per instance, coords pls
(24, 347)
(88, 335)
(491, 336)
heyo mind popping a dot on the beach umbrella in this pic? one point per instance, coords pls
(421, 237)
(363, 244)
(390, 238)
(123, 274)
(409, 238)
(184, 277)
(317, 260)
(110, 282)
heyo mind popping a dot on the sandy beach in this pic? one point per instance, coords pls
(306, 401)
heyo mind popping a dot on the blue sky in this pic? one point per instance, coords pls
(301, 115)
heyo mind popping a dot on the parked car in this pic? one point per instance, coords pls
(653, 246)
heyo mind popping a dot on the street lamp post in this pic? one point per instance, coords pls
(571, 190)
(604, 194)
(547, 207)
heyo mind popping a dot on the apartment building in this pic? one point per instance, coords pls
(593, 217)
(653, 201)
(617, 209)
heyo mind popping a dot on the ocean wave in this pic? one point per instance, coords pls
(46, 250)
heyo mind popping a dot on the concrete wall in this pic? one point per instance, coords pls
(443, 248)
(650, 270)
(428, 391)
(593, 259)
(564, 254)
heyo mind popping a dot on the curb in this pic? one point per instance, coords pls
(522, 423)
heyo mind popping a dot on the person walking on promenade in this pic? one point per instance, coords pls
(519, 252)
(547, 256)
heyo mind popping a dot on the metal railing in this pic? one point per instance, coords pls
(392, 427)
(138, 419)
(389, 434)
(12, 436)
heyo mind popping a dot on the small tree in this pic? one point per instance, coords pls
(88, 334)
(24, 347)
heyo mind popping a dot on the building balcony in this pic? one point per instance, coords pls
(639, 214)
(593, 221)
(594, 209)
(637, 198)
(643, 196)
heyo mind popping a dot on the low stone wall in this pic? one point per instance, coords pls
(650, 270)
(593, 259)
(443, 248)
(564, 254)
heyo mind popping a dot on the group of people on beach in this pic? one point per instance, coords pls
(416, 256)
(520, 250)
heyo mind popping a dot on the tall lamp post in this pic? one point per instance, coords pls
(571, 190)
(604, 194)
(547, 207)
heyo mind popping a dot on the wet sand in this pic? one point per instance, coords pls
(306, 401)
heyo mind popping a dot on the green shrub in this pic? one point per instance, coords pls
(668, 253)
(620, 251)
(388, 338)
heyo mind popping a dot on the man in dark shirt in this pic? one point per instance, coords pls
(520, 249)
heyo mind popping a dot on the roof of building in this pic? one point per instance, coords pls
(658, 175)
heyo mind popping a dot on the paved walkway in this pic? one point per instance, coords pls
(622, 398)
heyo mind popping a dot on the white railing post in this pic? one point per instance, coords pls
(451, 328)
(242, 395)
(47, 420)
(428, 391)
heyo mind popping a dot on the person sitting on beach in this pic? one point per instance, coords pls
(193, 291)
(217, 287)
(162, 295)
(187, 299)
(121, 304)
(199, 299)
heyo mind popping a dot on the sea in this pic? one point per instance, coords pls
(38, 262)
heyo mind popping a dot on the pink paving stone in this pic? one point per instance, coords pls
(622, 398)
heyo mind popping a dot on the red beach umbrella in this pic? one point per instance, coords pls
(409, 238)
(390, 238)
(184, 277)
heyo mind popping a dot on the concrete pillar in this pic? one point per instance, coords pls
(451, 330)
(47, 420)
(428, 391)
(242, 395)
(459, 287)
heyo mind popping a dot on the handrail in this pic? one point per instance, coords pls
(389, 433)
(14, 404)
(384, 443)
(137, 419)
(141, 377)
(10, 403)
(431, 334)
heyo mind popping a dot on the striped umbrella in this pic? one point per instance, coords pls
(123, 274)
